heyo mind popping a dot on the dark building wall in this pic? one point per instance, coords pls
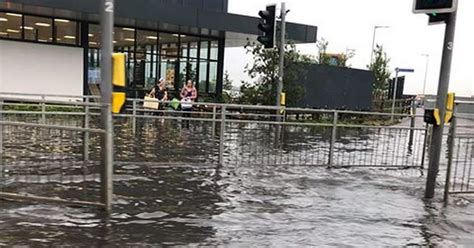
(88, 6)
(332, 87)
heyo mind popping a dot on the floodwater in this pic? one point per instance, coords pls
(200, 204)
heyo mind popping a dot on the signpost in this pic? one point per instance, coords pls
(107, 24)
(397, 70)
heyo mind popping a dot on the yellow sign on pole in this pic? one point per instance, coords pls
(118, 82)
(449, 110)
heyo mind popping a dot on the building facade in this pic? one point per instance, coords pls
(53, 46)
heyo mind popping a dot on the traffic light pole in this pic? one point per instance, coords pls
(282, 55)
(107, 24)
(443, 86)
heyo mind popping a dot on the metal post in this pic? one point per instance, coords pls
(425, 144)
(107, 23)
(394, 95)
(282, 57)
(451, 139)
(333, 138)
(373, 44)
(426, 74)
(222, 138)
(43, 109)
(85, 140)
(1, 136)
(134, 116)
(214, 111)
(443, 87)
(412, 123)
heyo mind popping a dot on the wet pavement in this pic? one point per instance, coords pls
(197, 203)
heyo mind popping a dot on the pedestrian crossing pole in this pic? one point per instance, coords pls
(443, 87)
(107, 24)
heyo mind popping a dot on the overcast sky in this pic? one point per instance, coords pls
(349, 24)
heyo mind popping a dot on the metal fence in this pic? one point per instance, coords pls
(460, 171)
(247, 134)
(51, 147)
(42, 158)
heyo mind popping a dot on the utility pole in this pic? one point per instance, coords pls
(373, 42)
(443, 86)
(394, 98)
(282, 55)
(426, 73)
(107, 25)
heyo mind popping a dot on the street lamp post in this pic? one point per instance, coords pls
(397, 70)
(426, 72)
(373, 42)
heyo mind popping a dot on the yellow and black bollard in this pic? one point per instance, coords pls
(118, 82)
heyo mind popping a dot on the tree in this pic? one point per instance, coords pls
(324, 58)
(264, 72)
(382, 73)
(345, 57)
(227, 89)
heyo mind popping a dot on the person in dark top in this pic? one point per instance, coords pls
(159, 92)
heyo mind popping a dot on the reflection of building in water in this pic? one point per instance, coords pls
(174, 40)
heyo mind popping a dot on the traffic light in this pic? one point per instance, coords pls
(267, 26)
(118, 82)
(434, 6)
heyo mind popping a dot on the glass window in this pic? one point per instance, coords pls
(65, 30)
(214, 50)
(146, 39)
(40, 29)
(212, 77)
(168, 66)
(10, 24)
(184, 50)
(94, 66)
(193, 50)
(204, 50)
(94, 35)
(189, 44)
(124, 37)
(202, 76)
(169, 44)
(183, 66)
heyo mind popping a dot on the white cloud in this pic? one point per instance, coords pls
(349, 24)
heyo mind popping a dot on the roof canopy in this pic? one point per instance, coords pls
(151, 14)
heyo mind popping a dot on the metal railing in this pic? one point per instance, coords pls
(460, 171)
(333, 138)
(41, 159)
(210, 134)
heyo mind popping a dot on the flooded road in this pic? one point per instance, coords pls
(201, 204)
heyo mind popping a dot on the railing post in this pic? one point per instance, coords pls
(43, 109)
(333, 138)
(412, 123)
(222, 138)
(425, 144)
(214, 110)
(134, 116)
(85, 151)
(451, 140)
